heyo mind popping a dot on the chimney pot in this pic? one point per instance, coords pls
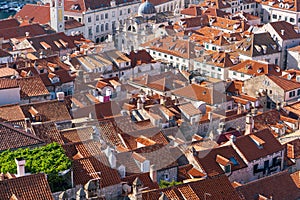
(20, 166)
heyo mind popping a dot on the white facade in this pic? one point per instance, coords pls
(293, 59)
(211, 70)
(101, 22)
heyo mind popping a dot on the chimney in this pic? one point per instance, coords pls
(282, 32)
(27, 34)
(20, 167)
(153, 173)
(60, 96)
(278, 106)
(239, 109)
(112, 159)
(209, 116)
(139, 104)
(232, 139)
(249, 124)
(254, 112)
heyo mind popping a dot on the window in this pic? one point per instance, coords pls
(102, 27)
(90, 31)
(292, 94)
(113, 13)
(97, 17)
(219, 69)
(101, 16)
(120, 12)
(274, 16)
(227, 168)
(106, 15)
(270, 91)
(106, 26)
(79, 19)
(299, 20)
(292, 20)
(242, 75)
(212, 68)
(171, 57)
(276, 61)
(89, 19)
(298, 92)
(97, 29)
(214, 48)
(129, 10)
(234, 73)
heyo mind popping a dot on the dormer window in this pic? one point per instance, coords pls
(224, 163)
(281, 5)
(259, 142)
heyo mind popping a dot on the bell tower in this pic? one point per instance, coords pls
(57, 15)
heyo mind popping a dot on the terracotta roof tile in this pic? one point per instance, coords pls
(270, 187)
(20, 32)
(210, 160)
(195, 92)
(8, 83)
(32, 87)
(88, 168)
(12, 138)
(48, 132)
(255, 68)
(11, 113)
(9, 23)
(28, 187)
(50, 110)
(251, 151)
(35, 13)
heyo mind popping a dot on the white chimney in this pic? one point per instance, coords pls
(232, 139)
(153, 173)
(209, 116)
(20, 167)
(282, 32)
(60, 96)
(249, 124)
(108, 92)
(112, 159)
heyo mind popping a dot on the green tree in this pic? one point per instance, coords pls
(50, 159)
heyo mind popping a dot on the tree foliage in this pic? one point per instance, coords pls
(166, 184)
(49, 159)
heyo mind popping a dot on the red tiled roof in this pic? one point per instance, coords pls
(270, 187)
(11, 113)
(36, 13)
(32, 87)
(48, 132)
(8, 23)
(86, 169)
(8, 83)
(209, 160)
(72, 23)
(20, 32)
(251, 151)
(49, 111)
(255, 68)
(27, 187)
(12, 138)
(285, 84)
(195, 92)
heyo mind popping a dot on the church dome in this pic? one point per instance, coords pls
(146, 8)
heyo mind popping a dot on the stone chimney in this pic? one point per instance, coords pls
(112, 159)
(232, 139)
(249, 124)
(153, 173)
(20, 166)
(209, 116)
